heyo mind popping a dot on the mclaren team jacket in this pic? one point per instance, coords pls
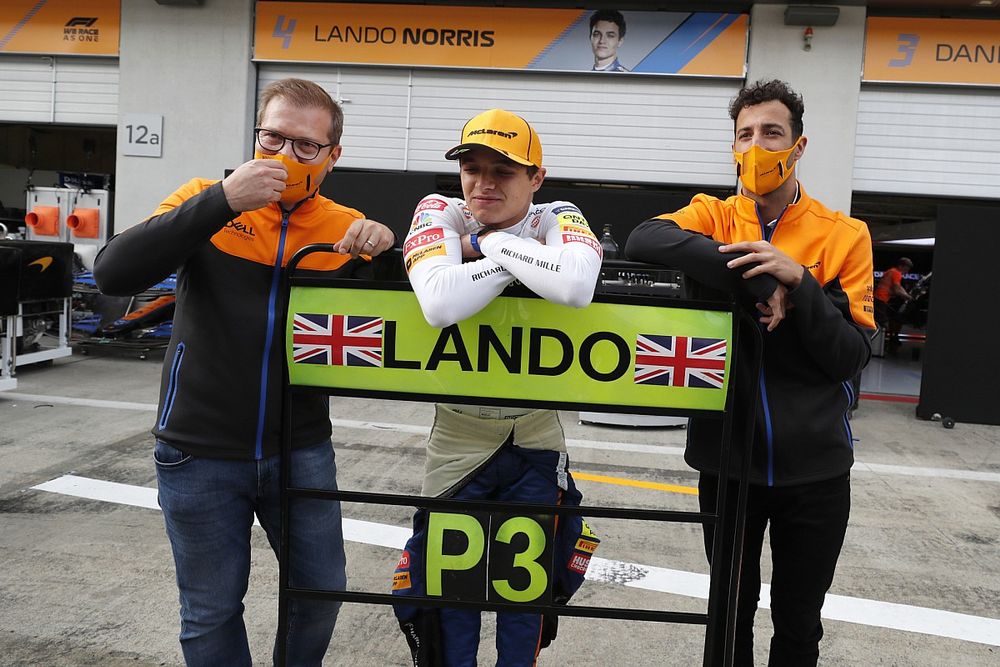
(220, 391)
(801, 430)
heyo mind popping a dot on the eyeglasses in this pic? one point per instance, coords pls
(303, 148)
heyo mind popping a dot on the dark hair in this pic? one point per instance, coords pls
(304, 93)
(766, 91)
(611, 16)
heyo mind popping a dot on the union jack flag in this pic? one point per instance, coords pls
(337, 340)
(680, 361)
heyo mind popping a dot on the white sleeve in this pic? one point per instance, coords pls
(448, 290)
(564, 269)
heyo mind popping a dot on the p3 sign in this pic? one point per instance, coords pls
(489, 557)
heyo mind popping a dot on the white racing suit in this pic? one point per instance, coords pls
(495, 453)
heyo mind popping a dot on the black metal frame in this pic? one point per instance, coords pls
(720, 618)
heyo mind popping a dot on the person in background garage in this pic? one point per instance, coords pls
(218, 429)
(481, 452)
(889, 295)
(807, 270)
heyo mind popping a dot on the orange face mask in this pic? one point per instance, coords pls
(302, 178)
(763, 171)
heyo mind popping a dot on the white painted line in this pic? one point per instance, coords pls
(570, 442)
(83, 402)
(923, 620)
(633, 447)
(916, 471)
(381, 426)
(96, 489)
(662, 450)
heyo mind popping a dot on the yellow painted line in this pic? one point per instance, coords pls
(623, 481)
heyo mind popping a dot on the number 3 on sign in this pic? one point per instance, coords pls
(514, 565)
(140, 134)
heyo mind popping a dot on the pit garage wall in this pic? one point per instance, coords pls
(829, 79)
(634, 129)
(192, 66)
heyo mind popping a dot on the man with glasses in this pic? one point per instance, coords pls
(218, 429)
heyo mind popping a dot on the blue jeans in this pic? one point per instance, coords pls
(209, 507)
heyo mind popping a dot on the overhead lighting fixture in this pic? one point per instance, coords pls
(986, 3)
(814, 15)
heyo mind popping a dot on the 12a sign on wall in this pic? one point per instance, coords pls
(141, 134)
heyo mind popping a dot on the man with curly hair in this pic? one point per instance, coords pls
(807, 271)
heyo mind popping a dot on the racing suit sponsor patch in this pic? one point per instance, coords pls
(578, 563)
(572, 217)
(421, 221)
(432, 204)
(432, 235)
(586, 240)
(420, 255)
(569, 227)
(401, 581)
(586, 545)
(404, 561)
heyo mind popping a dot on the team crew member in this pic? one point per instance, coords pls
(890, 287)
(488, 452)
(219, 421)
(809, 270)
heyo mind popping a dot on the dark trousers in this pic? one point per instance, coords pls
(807, 526)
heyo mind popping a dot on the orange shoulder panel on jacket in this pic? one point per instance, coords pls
(182, 194)
(327, 222)
(254, 235)
(704, 215)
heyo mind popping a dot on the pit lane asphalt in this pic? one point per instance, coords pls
(90, 582)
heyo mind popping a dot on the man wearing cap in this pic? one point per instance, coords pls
(487, 452)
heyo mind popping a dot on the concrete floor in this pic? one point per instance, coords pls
(90, 582)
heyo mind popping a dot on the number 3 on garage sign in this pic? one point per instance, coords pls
(513, 565)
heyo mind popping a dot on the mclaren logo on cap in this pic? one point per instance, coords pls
(42, 262)
(486, 130)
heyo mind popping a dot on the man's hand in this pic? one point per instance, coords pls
(778, 304)
(770, 260)
(255, 184)
(365, 237)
